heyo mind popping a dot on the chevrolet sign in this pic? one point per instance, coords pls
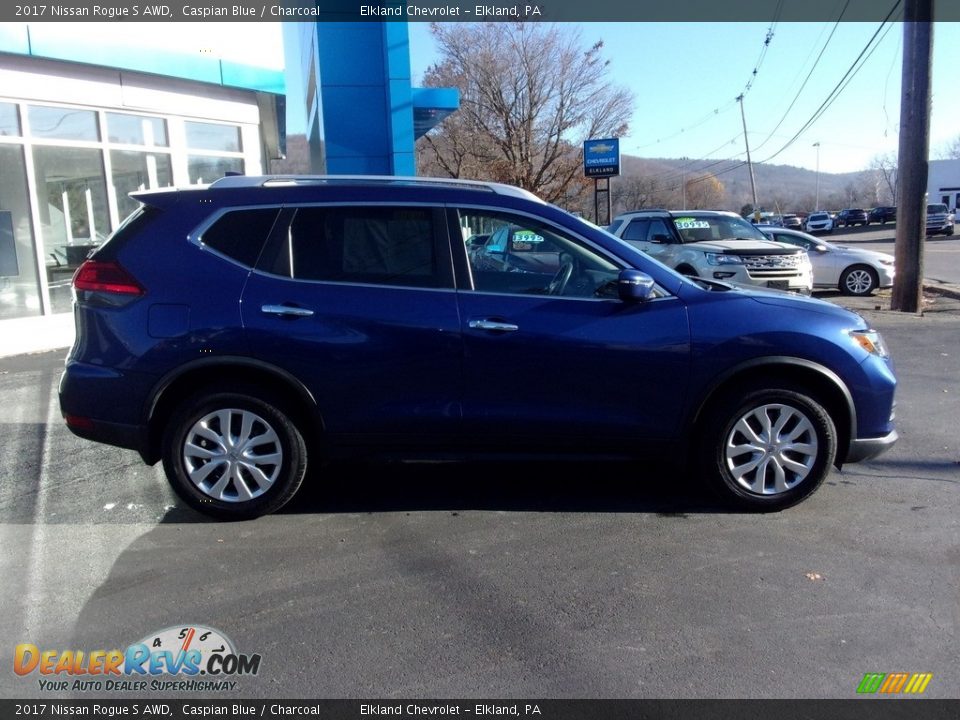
(601, 158)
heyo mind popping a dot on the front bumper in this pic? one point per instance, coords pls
(938, 228)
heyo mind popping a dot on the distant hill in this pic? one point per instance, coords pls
(783, 188)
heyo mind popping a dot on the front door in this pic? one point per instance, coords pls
(552, 359)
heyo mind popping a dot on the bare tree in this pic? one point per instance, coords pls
(950, 150)
(885, 168)
(529, 96)
(636, 192)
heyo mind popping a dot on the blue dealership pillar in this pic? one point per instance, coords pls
(366, 97)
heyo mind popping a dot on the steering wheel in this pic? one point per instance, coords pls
(559, 282)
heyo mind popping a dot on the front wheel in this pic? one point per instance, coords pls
(233, 456)
(767, 449)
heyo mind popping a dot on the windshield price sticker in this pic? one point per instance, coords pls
(690, 224)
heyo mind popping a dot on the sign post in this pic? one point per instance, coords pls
(601, 160)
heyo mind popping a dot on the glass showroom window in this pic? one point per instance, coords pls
(62, 123)
(72, 204)
(19, 295)
(223, 140)
(132, 171)
(137, 130)
(9, 120)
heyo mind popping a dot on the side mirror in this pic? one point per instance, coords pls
(821, 248)
(634, 286)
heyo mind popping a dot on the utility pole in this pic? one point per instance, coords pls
(683, 180)
(753, 184)
(816, 204)
(912, 161)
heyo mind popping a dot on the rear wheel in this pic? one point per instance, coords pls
(767, 449)
(858, 280)
(233, 456)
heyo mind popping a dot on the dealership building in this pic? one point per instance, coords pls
(83, 124)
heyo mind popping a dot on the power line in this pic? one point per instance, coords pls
(844, 81)
(807, 78)
(716, 112)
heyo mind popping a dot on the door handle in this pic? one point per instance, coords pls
(494, 325)
(286, 311)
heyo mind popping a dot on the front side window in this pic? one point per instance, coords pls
(528, 257)
(379, 245)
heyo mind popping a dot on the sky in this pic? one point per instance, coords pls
(685, 78)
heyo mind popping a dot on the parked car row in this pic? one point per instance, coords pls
(827, 221)
(721, 246)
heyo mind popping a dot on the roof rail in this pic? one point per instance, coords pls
(249, 181)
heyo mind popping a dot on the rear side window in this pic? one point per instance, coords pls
(240, 234)
(379, 245)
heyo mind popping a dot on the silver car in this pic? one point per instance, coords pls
(851, 270)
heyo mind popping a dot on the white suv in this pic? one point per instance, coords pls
(717, 246)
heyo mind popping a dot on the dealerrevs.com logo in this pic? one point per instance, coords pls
(191, 658)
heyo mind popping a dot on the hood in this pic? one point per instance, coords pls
(779, 298)
(745, 247)
(802, 302)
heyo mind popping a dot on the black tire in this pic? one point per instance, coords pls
(272, 434)
(806, 419)
(858, 281)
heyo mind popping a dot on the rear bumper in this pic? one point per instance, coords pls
(867, 448)
(103, 405)
(108, 433)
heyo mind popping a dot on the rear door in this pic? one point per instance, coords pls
(358, 303)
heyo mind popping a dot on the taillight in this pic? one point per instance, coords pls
(106, 277)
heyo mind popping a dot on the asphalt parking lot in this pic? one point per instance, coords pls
(503, 580)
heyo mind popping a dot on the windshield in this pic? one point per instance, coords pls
(698, 228)
(936, 209)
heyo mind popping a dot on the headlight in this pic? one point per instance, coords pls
(721, 259)
(884, 261)
(871, 341)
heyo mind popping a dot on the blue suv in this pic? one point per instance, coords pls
(246, 331)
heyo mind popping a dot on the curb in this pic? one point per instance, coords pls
(949, 290)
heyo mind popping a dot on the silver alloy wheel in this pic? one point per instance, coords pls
(232, 455)
(771, 449)
(858, 281)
